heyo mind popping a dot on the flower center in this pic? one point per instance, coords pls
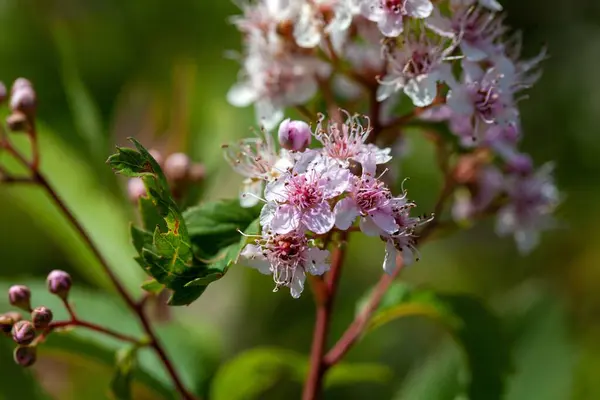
(304, 193)
(394, 6)
(418, 64)
(371, 195)
(487, 102)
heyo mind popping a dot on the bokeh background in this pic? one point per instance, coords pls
(156, 70)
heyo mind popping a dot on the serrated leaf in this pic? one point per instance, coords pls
(125, 363)
(256, 371)
(153, 286)
(476, 330)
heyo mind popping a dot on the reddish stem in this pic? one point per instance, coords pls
(314, 382)
(355, 329)
(93, 327)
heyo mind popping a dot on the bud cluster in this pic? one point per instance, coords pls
(309, 192)
(25, 333)
(179, 170)
(455, 60)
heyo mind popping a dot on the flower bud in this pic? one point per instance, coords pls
(20, 296)
(177, 166)
(294, 135)
(17, 122)
(157, 156)
(3, 92)
(59, 283)
(7, 320)
(136, 189)
(23, 97)
(197, 172)
(23, 332)
(41, 317)
(25, 356)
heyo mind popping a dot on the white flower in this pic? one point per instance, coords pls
(288, 258)
(389, 14)
(415, 67)
(310, 24)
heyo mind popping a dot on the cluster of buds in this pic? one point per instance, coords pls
(310, 192)
(455, 60)
(27, 333)
(179, 170)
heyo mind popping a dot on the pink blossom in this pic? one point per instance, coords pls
(389, 14)
(288, 257)
(299, 199)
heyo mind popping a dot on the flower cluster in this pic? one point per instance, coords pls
(310, 192)
(455, 60)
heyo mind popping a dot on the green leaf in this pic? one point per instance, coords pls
(472, 326)
(125, 363)
(153, 286)
(256, 371)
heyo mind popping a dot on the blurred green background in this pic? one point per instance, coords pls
(156, 70)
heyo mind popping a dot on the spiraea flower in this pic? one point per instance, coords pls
(258, 161)
(482, 99)
(389, 14)
(478, 30)
(486, 186)
(532, 198)
(347, 141)
(404, 240)
(492, 5)
(319, 17)
(299, 199)
(369, 199)
(273, 78)
(415, 66)
(288, 257)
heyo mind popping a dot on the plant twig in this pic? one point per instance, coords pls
(361, 321)
(318, 367)
(93, 327)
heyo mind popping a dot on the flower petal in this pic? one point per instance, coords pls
(385, 221)
(419, 8)
(345, 212)
(319, 219)
(251, 192)
(317, 261)
(389, 261)
(297, 283)
(252, 257)
(285, 219)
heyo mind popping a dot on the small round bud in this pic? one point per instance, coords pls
(3, 92)
(59, 283)
(23, 332)
(197, 172)
(294, 135)
(157, 156)
(177, 166)
(136, 189)
(41, 317)
(23, 97)
(20, 296)
(25, 356)
(17, 122)
(7, 320)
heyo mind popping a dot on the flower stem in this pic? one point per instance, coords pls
(94, 327)
(38, 178)
(318, 367)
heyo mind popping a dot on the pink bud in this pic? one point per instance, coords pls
(25, 356)
(59, 283)
(177, 166)
(157, 156)
(41, 317)
(294, 135)
(7, 320)
(20, 296)
(135, 189)
(23, 332)
(23, 97)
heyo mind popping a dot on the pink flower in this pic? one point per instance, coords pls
(288, 258)
(347, 141)
(294, 135)
(389, 14)
(372, 201)
(405, 239)
(532, 199)
(299, 200)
